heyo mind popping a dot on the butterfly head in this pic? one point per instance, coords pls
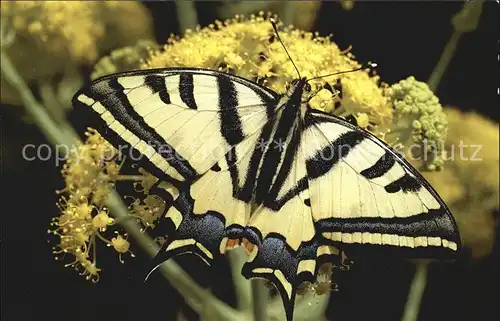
(301, 85)
(298, 87)
(299, 92)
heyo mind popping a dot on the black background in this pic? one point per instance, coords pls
(404, 39)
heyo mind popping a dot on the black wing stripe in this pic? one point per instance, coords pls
(157, 85)
(231, 126)
(186, 90)
(111, 95)
(434, 223)
(406, 184)
(381, 167)
(246, 192)
(271, 200)
(274, 155)
(329, 156)
(270, 104)
(231, 160)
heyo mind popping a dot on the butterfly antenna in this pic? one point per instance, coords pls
(365, 66)
(275, 27)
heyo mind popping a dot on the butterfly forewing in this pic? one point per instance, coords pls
(181, 120)
(184, 123)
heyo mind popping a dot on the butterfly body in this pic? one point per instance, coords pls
(240, 164)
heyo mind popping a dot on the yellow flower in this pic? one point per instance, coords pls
(57, 26)
(74, 228)
(123, 59)
(306, 13)
(248, 48)
(323, 100)
(120, 244)
(347, 5)
(52, 36)
(101, 221)
(300, 14)
(419, 119)
(150, 211)
(147, 181)
(90, 172)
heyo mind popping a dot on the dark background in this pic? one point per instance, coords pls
(404, 39)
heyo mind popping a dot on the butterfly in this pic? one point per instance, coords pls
(239, 164)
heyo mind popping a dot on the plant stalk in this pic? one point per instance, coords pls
(243, 287)
(416, 292)
(186, 13)
(260, 297)
(444, 61)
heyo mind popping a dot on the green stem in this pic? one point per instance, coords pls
(416, 292)
(198, 298)
(102, 238)
(260, 296)
(444, 61)
(243, 287)
(49, 100)
(466, 20)
(186, 13)
(288, 12)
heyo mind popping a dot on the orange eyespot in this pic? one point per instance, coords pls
(232, 243)
(247, 245)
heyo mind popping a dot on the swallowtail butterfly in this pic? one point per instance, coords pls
(240, 164)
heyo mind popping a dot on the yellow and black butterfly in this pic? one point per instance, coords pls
(240, 164)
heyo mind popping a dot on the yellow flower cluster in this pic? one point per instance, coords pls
(419, 119)
(58, 26)
(90, 172)
(77, 28)
(66, 34)
(249, 48)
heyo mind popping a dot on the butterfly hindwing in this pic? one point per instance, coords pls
(207, 213)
